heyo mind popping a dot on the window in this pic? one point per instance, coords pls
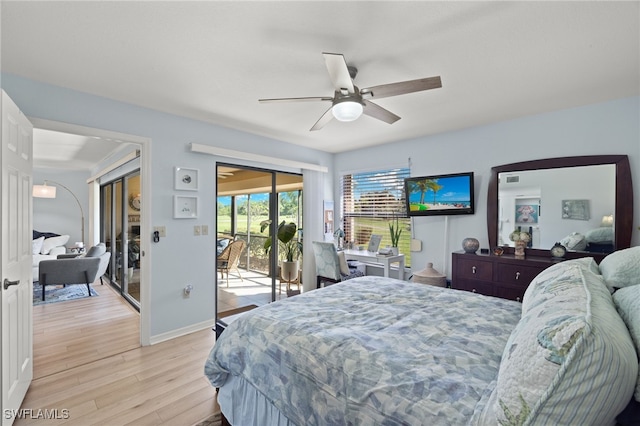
(370, 201)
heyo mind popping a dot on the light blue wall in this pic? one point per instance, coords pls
(606, 128)
(180, 258)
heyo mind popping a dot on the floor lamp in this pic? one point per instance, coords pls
(44, 191)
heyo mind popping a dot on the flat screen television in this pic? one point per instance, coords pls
(449, 194)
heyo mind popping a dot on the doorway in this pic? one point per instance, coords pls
(120, 207)
(251, 202)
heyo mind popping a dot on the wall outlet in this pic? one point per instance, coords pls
(196, 230)
(205, 229)
(162, 230)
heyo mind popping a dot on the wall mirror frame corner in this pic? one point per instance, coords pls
(623, 196)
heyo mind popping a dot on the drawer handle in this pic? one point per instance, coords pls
(473, 291)
(473, 269)
(517, 275)
(518, 299)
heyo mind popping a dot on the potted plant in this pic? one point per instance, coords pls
(290, 247)
(395, 231)
(520, 238)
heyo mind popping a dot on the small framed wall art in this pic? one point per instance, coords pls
(186, 179)
(185, 207)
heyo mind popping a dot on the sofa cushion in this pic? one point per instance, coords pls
(36, 245)
(52, 242)
(570, 359)
(627, 302)
(621, 268)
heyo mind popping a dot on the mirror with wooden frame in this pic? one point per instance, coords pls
(557, 208)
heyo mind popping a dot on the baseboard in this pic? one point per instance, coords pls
(159, 338)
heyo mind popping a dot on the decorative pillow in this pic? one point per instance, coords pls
(621, 268)
(97, 250)
(554, 280)
(344, 266)
(569, 360)
(52, 242)
(599, 235)
(574, 241)
(221, 244)
(36, 245)
(627, 301)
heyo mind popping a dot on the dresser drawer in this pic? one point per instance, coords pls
(474, 286)
(510, 292)
(517, 274)
(474, 268)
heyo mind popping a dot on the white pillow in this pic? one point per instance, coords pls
(36, 245)
(621, 268)
(627, 302)
(344, 267)
(52, 242)
(599, 235)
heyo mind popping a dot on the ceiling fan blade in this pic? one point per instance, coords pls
(376, 111)
(403, 87)
(338, 71)
(306, 99)
(326, 117)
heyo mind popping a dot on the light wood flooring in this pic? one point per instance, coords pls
(87, 360)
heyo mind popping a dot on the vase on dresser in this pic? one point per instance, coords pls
(520, 246)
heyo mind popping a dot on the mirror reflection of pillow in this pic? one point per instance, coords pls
(599, 235)
(621, 268)
(574, 241)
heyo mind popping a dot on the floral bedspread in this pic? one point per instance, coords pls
(370, 350)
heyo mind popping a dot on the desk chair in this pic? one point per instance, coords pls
(328, 269)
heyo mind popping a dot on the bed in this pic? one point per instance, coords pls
(376, 350)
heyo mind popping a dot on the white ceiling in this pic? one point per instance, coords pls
(212, 61)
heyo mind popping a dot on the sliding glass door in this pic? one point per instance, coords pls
(120, 230)
(250, 204)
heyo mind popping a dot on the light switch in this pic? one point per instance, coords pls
(162, 231)
(205, 229)
(196, 230)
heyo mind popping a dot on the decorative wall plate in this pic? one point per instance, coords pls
(186, 179)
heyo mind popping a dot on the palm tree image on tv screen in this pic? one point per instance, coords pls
(440, 194)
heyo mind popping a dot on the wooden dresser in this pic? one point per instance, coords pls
(502, 276)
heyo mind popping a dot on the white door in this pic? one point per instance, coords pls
(16, 258)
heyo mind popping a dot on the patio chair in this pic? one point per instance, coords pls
(230, 258)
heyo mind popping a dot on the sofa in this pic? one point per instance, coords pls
(46, 246)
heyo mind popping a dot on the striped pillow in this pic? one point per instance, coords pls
(627, 301)
(569, 360)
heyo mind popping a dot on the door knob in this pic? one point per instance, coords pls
(8, 283)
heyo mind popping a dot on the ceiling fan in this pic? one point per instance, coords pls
(348, 102)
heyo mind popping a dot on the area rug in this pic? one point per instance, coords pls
(54, 293)
(214, 420)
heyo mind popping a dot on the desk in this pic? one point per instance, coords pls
(373, 257)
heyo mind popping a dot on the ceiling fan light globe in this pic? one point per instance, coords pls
(347, 110)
